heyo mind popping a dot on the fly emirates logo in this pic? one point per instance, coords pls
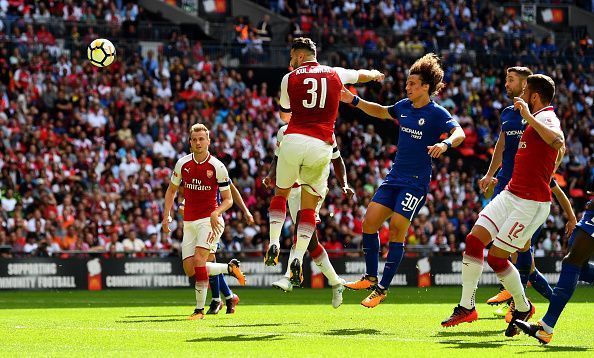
(197, 185)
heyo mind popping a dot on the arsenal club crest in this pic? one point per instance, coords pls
(209, 173)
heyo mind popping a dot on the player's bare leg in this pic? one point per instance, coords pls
(277, 214)
(375, 216)
(398, 228)
(306, 226)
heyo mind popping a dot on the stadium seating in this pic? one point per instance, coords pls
(85, 155)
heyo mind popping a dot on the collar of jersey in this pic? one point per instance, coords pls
(202, 162)
(547, 108)
(308, 63)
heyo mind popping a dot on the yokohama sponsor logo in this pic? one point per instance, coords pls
(416, 134)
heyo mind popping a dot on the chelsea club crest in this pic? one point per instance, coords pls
(421, 121)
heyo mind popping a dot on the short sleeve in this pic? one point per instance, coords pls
(549, 119)
(393, 112)
(347, 76)
(285, 103)
(448, 122)
(222, 177)
(176, 177)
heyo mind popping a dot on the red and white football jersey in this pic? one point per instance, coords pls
(202, 181)
(535, 161)
(312, 94)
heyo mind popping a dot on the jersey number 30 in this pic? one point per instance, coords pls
(313, 91)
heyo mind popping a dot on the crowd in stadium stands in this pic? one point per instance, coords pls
(86, 154)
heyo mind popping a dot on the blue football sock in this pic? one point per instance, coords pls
(523, 264)
(214, 286)
(562, 293)
(587, 273)
(224, 287)
(371, 252)
(540, 284)
(395, 253)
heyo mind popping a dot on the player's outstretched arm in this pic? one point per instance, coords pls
(169, 197)
(236, 195)
(552, 137)
(370, 108)
(566, 205)
(340, 171)
(496, 161)
(370, 75)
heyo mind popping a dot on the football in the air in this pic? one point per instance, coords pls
(101, 52)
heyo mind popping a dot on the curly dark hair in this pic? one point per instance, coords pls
(429, 70)
(304, 43)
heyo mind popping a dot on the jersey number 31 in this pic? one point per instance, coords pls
(312, 83)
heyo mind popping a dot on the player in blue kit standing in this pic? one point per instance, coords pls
(403, 193)
(575, 268)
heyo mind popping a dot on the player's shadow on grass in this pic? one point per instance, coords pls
(153, 320)
(468, 334)
(553, 349)
(238, 338)
(351, 332)
(459, 343)
(261, 325)
(157, 316)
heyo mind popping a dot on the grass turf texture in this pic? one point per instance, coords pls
(273, 323)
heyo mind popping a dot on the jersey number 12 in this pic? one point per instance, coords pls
(313, 88)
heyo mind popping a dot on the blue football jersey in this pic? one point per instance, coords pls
(512, 127)
(587, 222)
(419, 128)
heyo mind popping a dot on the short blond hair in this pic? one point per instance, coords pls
(199, 127)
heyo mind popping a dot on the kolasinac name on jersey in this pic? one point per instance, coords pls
(35, 274)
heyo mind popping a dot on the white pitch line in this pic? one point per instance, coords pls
(291, 334)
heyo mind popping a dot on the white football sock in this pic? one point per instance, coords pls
(510, 278)
(200, 288)
(472, 269)
(215, 269)
(325, 266)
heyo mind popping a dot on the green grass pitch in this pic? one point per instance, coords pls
(271, 323)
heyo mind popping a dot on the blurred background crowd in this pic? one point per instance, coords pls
(86, 153)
